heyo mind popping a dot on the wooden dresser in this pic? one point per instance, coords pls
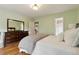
(13, 36)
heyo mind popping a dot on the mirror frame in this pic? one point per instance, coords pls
(14, 20)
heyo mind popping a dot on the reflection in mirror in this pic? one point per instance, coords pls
(15, 25)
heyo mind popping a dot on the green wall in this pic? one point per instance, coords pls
(5, 14)
(46, 23)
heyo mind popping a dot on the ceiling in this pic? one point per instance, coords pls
(44, 9)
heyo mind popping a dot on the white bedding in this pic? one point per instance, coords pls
(51, 46)
(27, 44)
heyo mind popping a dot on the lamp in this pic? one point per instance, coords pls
(35, 6)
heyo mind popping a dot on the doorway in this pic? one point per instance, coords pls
(59, 26)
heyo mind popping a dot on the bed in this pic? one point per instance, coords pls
(53, 45)
(41, 44)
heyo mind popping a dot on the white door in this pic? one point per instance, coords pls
(58, 25)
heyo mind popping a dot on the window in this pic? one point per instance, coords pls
(58, 25)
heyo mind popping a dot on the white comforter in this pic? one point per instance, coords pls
(27, 44)
(52, 46)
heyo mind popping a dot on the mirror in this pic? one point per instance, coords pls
(15, 25)
(36, 24)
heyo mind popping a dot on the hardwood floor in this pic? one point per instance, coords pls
(11, 49)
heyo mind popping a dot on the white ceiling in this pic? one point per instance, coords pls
(44, 9)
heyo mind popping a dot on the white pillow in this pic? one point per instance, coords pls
(69, 36)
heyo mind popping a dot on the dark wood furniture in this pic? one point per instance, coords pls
(13, 36)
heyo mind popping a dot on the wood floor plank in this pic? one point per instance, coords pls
(11, 49)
